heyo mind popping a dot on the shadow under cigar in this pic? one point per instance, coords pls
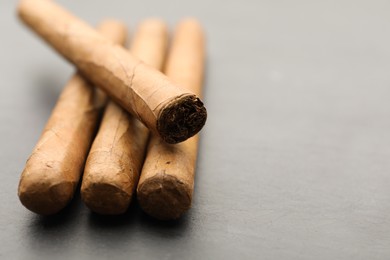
(53, 236)
(62, 219)
(49, 236)
(149, 221)
(123, 227)
(134, 216)
(112, 221)
(167, 229)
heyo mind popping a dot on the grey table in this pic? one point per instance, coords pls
(294, 160)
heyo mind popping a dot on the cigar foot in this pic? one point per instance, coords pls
(105, 198)
(45, 198)
(164, 197)
(181, 119)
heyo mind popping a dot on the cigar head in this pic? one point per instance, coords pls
(164, 196)
(181, 119)
(113, 30)
(43, 194)
(105, 198)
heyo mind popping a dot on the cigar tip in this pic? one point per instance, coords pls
(114, 30)
(111, 21)
(43, 196)
(190, 21)
(164, 196)
(105, 198)
(19, 8)
(153, 22)
(181, 119)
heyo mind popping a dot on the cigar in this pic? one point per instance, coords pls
(171, 111)
(167, 179)
(114, 163)
(52, 172)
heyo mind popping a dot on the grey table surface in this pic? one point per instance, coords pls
(294, 160)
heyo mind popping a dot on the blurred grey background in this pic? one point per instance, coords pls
(294, 159)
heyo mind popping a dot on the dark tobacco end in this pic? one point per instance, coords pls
(164, 197)
(181, 119)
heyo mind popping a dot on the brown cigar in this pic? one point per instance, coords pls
(114, 163)
(167, 180)
(168, 110)
(54, 168)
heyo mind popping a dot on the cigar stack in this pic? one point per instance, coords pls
(135, 132)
